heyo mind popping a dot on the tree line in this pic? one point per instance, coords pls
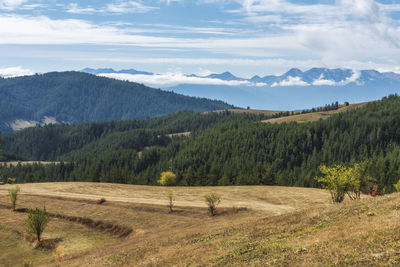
(244, 151)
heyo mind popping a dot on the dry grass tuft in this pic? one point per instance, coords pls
(100, 201)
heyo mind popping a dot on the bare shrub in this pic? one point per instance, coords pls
(171, 200)
(212, 200)
(13, 194)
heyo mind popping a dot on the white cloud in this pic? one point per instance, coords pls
(75, 9)
(322, 81)
(349, 33)
(14, 72)
(129, 7)
(168, 2)
(11, 4)
(291, 81)
(120, 7)
(172, 79)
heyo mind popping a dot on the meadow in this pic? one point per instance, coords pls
(315, 116)
(254, 225)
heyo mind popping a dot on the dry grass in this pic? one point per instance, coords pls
(280, 226)
(314, 116)
(270, 199)
(251, 111)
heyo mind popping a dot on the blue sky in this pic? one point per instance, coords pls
(246, 37)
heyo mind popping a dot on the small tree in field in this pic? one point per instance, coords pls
(171, 200)
(13, 194)
(359, 181)
(37, 221)
(167, 178)
(339, 180)
(212, 200)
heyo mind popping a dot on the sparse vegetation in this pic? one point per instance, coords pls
(171, 200)
(37, 222)
(212, 200)
(167, 178)
(13, 195)
(308, 232)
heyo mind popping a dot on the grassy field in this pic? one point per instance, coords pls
(314, 116)
(277, 226)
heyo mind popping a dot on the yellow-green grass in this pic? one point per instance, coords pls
(314, 116)
(312, 232)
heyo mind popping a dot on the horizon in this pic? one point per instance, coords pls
(246, 38)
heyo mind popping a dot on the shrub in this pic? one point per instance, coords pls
(167, 178)
(11, 180)
(37, 221)
(171, 200)
(359, 181)
(339, 180)
(212, 200)
(13, 193)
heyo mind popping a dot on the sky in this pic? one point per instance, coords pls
(245, 37)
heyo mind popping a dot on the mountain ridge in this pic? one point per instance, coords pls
(70, 97)
(309, 76)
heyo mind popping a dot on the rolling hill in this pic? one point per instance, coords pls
(254, 226)
(314, 116)
(224, 148)
(71, 97)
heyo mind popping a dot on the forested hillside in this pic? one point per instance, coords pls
(73, 97)
(238, 150)
(82, 140)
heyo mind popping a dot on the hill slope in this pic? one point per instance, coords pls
(224, 149)
(82, 140)
(315, 116)
(78, 97)
(308, 232)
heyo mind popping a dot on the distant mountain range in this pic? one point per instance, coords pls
(72, 97)
(295, 89)
(314, 76)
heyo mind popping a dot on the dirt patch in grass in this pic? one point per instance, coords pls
(115, 229)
